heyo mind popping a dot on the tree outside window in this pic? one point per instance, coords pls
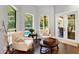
(28, 21)
(11, 19)
(43, 22)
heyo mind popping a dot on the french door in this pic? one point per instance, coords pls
(66, 25)
(60, 25)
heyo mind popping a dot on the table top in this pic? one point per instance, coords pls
(44, 45)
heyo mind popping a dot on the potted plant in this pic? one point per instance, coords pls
(31, 30)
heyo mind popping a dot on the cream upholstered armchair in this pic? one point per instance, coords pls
(44, 33)
(19, 43)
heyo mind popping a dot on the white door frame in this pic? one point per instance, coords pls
(56, 26)
(76, 18)
(65, 14)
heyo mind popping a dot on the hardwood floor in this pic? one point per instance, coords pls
(63, 49)
(67, 49)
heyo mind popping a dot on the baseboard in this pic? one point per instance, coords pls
(72, 43)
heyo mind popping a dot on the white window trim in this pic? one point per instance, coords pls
(32, 20)
(43, 22)
(13, 29)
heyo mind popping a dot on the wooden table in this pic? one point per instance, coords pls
(47, 46)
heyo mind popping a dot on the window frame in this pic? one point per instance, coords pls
(14, 30)
(27, 28)
(43, 22)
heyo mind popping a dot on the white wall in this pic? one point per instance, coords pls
(2, 17)
(19, 23)
(64, 8)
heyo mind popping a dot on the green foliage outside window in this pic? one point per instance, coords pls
(28, 21)
(11, 18)
(43, 22)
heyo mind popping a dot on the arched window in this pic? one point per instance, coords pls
(28, 18)
(11, 19)
(43, 22)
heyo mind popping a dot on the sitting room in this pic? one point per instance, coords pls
(39, 29)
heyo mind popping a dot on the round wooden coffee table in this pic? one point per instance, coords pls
(49, 47)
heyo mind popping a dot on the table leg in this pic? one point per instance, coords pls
(51, 50)
(40, 49)
(57, 47)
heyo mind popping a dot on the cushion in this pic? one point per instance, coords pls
(28, 42)
(45, 32)
(20, 39)
(27, 33)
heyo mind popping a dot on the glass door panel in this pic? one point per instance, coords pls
(71, 27)
(61, 26)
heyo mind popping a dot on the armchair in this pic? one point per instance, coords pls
(19, 43)
(44, 33)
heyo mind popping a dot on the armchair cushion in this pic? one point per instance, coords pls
(44, 33)
(27, 33)
(20, 39)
